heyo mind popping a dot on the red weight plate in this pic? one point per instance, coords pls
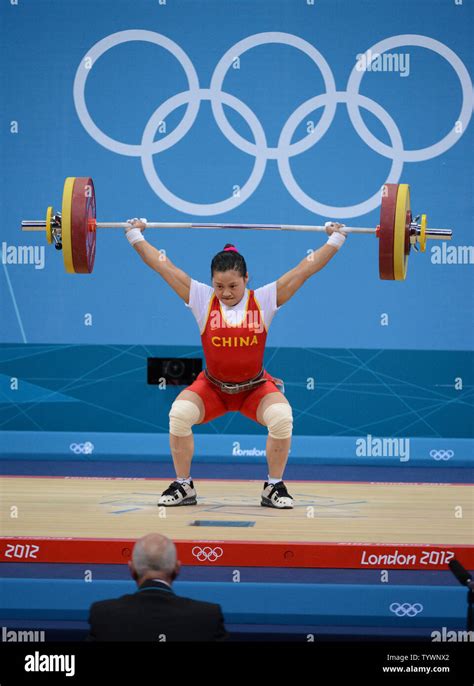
(83, 235)
(387, 221)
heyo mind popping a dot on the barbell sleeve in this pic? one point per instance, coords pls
(33, 225)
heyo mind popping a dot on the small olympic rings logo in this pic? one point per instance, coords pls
(258, 147)
(406, 609)
(441, 454)
(82, 448)
(207, 553)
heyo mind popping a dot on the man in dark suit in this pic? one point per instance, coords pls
(154, 612)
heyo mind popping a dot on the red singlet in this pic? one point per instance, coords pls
(233, 352)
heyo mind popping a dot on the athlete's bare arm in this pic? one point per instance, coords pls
(179, 281)
(289, 283)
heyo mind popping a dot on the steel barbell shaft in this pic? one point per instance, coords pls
(259, 227)
(441, 234)
(39, 225)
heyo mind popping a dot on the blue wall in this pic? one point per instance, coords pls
(42, 49)
(354, 392)
(332, 328)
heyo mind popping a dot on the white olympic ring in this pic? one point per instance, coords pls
(464, 116)
(256, 40)
(190, 207)
(300, 195)
(82, 448)
(259, 148)
(406, 609)
(207, 553)
(102, 47)
(441, 454)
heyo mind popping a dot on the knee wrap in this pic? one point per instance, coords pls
(279, 419)
(183, 414)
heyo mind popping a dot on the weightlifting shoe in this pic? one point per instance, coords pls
(276, 495)
(178, 494)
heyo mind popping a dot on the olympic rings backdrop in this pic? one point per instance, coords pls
(282, 111)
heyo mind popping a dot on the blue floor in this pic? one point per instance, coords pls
(247, 574)
(401, 474)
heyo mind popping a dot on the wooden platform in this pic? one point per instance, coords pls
(333, 524)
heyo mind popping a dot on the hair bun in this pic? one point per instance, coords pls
(229, 246)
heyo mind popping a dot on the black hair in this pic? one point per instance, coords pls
(228, 259)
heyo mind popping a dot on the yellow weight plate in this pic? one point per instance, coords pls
(66, 224)
(422, 236)
(401, 235)
(49, 214)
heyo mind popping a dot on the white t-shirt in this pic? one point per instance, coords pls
(200, 296)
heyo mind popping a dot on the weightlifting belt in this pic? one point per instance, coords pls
(239, 387)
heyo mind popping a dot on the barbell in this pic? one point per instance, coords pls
(74, 229)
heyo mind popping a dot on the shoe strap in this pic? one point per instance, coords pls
(280, 490)
(175, 486)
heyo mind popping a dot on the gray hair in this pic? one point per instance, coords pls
(154, 552)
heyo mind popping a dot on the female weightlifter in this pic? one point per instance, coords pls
(233, 322)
